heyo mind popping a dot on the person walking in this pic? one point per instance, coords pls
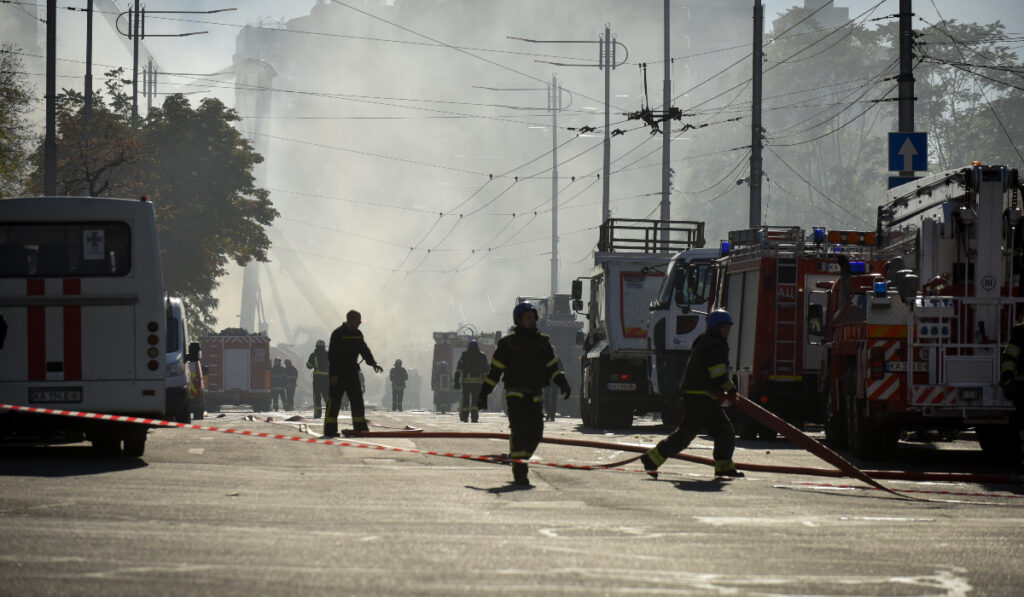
(277, 395)
(469, 374)
(291, 379)
(398, 376)
(1011, 379)
(705, 382)
(318, 362)
(528, 362)
(343, 353)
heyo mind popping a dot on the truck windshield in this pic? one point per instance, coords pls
(696, 278)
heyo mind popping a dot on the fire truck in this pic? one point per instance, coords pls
(448, 347)
(629, 267)
(237, 369)
(556, 319)
(764, 279)
(919, 347)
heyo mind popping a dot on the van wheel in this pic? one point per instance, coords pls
(108, 447)
(135, 442)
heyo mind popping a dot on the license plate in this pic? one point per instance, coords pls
(901, 366)
(626, 387)
(46, 395)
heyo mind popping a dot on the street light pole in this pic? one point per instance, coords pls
(135, 60)
(555, 105)
(50, 143)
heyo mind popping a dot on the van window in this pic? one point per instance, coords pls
(65, 249)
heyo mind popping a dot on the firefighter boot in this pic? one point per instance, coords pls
(474, 415)
(520, 473)
(649, 466)
(726, 468)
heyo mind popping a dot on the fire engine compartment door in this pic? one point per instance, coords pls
(812, 352)
(235, 371)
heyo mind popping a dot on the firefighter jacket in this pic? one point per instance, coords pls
(707, 371)
(528, 362)
(277, 376)
(195, 380)
(471, 368)
(398, 377)
(345, 348)
(1012, 372)
(291, 376)
(318, 362)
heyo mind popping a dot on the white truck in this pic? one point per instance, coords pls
(629, 268)
(677, 318)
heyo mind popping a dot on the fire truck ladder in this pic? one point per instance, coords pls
(785, 366)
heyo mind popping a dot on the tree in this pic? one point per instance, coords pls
(193, 165)
(15, 132)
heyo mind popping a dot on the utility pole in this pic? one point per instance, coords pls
(906, 78)
(87, 111)
(50, 144)
(755, 119)
(135, 59)
(149, 84)
(666, 138)
(555, 105)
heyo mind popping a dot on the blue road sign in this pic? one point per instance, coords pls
(908, 152)
(895, 181)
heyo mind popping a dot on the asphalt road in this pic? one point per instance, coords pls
(211, 513)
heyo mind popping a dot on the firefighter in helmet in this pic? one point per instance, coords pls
(469, 374)
(1012, 381)
(318, 362)
(277, 394)
(398, 376)
(528, 362)
(706, 383)
(291, 379)
(347, 345)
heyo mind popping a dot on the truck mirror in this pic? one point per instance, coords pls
(193, 352)
(577, 292)
(577, 305)
(657, 305)
(580, 337)
(815, 324)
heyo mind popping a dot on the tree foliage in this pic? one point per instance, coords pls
(15, 131)
(191, 163)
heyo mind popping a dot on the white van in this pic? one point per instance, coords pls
(179, 403)
(82, 292)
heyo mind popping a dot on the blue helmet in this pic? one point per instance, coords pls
(473, 345)
(719, 317)
(520, 309)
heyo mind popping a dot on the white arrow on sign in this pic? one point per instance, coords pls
(908, 152)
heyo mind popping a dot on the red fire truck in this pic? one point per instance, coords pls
(448, 347)
(764, 279)
(920, 347)
(237, 369)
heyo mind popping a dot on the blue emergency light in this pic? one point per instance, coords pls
(724, 249)
(880, 288)
(819, 236)
(858, 267)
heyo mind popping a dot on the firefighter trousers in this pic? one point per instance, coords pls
(526, 423)
(348, 385)
(468, 409)
(289, 392)
(321, 386)
(701, 412)
(277, 397)
(396, 398)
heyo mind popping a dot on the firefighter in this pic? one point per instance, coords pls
(1012, 381)
(317, 361)
(277, 395)
(705, 381)
(291, 379)
(346, 346)
(398, 376)
(469, 374)
(528, 362)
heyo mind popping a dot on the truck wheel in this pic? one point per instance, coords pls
(835, 424)
(108, 447)
(999, 442)
(135, 441)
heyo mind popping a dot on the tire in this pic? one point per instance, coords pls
(135, 442)
(108, 446)
(835, 422)
(869, 437)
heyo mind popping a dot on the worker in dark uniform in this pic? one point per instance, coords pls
(277, 395)
(398, 376)
(705, 382)
(528, 362)
(469, 374)
(1012, 381)
(318, 362)
(345, 348)
(291, 379)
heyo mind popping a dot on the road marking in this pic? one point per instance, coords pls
(196, 450)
